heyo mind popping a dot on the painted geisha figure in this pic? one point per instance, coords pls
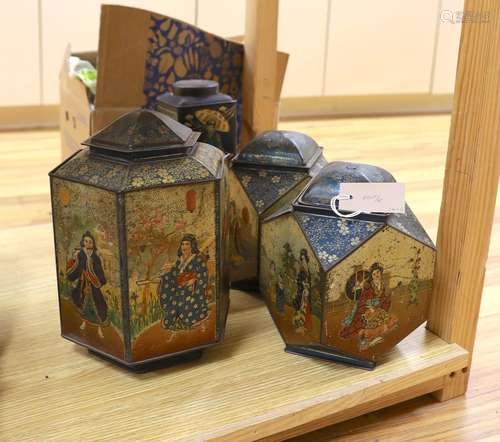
(183, 287)
(370, 319)
(86, 268)
(302, 301)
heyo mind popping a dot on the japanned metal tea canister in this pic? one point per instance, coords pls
(199, 105)
(139, 220)
(269, 172)
(344, 289)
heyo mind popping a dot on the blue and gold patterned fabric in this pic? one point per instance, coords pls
(179, 51)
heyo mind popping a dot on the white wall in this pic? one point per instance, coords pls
(447, 42)
(336, 47)
(20, 82)
(380, 47)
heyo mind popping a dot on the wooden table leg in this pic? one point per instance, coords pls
(470, 185)
(260, 72)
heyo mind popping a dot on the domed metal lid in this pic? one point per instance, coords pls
(195, 88)
(280, 149)
(142, 133)
(326, 184)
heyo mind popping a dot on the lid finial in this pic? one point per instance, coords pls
(142, 133)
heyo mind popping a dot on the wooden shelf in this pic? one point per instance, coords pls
(248, 388)
(245, 389)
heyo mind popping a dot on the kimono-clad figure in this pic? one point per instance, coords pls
(86, 268)
(183, 287)
(370, 319)
(302, 301)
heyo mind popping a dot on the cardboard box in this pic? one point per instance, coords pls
(78, 117)
(140, 55)
(75, 108)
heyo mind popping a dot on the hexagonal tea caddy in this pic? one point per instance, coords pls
(344, 289)
(267, 174)
(140, 228)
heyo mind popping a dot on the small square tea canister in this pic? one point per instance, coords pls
(344, 289)
(199, 105)
(269, 172)
(139, 226)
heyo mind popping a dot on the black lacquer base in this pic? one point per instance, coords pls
(320, 352)
(157, 364)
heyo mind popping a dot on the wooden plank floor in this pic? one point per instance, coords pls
(413, 149)
(239, 390)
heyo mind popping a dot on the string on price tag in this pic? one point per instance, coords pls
(357, 198)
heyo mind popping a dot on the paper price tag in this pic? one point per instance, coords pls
(373, 197)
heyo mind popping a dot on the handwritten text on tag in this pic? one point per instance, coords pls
(373, 197)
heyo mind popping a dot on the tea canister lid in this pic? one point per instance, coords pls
(195, 88)
(280, 149)
(143, 133)
(326, 184)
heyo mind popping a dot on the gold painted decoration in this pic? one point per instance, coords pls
(198, 104)
(266, 176)
(87, 254)
(216, 119)
(378, 295)
(291, 282)
(171, 244)
(138, 220)
(366, 280)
